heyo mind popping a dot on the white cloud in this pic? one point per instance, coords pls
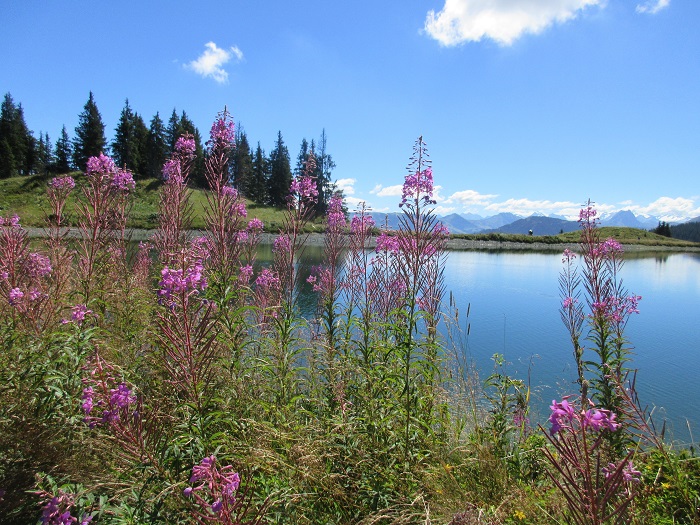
(389, 191)
(210, 63)
(470, 198)
(347, 186)
(444, 210)
(652, 6)
(668, 208)
(503, 21)
(353, 202)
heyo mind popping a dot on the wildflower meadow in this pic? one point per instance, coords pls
(177, 381)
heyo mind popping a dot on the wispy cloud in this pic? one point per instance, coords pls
(347, 186)
(652, 7)
(388, 191)
(469, 198)
(503, 21)
(527, 207)
(210, 63)
(668, 208)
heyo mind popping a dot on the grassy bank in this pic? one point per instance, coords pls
(26, 196)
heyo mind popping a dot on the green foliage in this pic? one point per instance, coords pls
(89, 138)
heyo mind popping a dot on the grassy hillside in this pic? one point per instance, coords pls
(26, 196)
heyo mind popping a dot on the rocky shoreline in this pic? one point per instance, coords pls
(317, 239)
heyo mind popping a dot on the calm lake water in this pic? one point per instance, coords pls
(513, 301)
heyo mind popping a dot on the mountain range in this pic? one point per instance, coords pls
(537, 223)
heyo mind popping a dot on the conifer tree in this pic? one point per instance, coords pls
(64, 153)
(44, 154)
(156, 147)
(259, 178)
(280, 178)
(241, 163)
(124, 145)
(90, 138)
(324, 169)
(17, 144)
(300, 167)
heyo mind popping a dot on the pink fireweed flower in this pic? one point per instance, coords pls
(230, 192)
(386, 243)
(79, 311)
(172, 172)
(12, 222)
(35, 294)
(321, 279)
(418, 187)
(185, 145)
(255, 225)
(282, 244)
(629, 473)
(569, 302)
(222, 133)
(121, 397)
(267, 279)
(123, 181)
(361, 224)
(38, 265)
(587, 214)
(568, 256)
(600, 419)
(336, 215)
(245, 273)
(304, 187)
(100, 166)
(15, 296)
(62, 184)
(562, 415)
(611, 247)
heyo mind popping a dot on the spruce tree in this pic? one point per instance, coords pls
(44, 154)
(324, 169)
(124, 145)
(18, 144)
(280, 173)
(241, 163)
(156, 147)
(257, 191)
(141, 141)
(89, 134)
(64, 153)
(301, 158)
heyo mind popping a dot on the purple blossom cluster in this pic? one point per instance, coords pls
(267, 279)
(78, 314)
(336, 215)
(214, 488)
(123, 181)
(57, 510)
(629, 473)
(185, 145)
(111, 401)
(38, 265)
(180, 283)
(304, 188)
(172, 171)
(255, 225)
(321, 279)
(12, 222)
(565, 416)
(222, 133)
(615, 309)
(361, 224)
(62, 184)
(387, 243)
(418, 187)
(102, 169)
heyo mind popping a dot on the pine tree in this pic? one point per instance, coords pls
(301, 158)
(280, 178)
(89, 134)
(124, 145)
(173, 131)
(18, 144)
(63, 153)
(324, 167)
(44, 154)
(156, 147)
(257, 191)
(141, 141)
(241, 163)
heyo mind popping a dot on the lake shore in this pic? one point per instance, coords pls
(317, 239)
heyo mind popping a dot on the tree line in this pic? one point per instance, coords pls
(263, 178)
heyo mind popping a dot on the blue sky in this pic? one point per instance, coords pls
(526, 105)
